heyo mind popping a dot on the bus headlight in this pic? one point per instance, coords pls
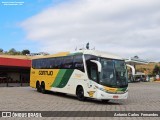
(111, 92)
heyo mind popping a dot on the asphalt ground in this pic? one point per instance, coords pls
(143, 96)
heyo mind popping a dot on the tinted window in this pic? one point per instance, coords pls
(67, 62)
(36, 63)
(45, 63)
(33, 64)
(78, 63)
(52, 62)
(91, 67)
(58, 62)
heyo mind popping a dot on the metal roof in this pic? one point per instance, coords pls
(15, 62)
(101, 54)
(136, 61)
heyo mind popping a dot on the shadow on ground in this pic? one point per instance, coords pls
(87, 100)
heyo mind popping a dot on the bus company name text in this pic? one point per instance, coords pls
(50, 73)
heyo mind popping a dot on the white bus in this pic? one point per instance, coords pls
(84, 73)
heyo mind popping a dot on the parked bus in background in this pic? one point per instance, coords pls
(84, 73)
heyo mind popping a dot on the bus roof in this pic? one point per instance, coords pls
(90, 52)
(100, 54)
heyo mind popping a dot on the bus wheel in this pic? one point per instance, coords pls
(43, 88)
(80, 93)
(38, 87)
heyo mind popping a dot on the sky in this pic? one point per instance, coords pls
(123, 27)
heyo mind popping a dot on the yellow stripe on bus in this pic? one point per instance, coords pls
(54, 55)
(110, 89)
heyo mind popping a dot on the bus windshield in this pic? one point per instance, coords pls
(114, 73)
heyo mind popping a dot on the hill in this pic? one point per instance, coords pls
(147, 68)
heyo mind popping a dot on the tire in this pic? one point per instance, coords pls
(80, 93)
(43, 88)
(38, 86)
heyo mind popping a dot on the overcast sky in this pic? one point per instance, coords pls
(124, 27)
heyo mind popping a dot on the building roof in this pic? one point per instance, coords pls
(16, 56)
(15, 62)
(136, 61)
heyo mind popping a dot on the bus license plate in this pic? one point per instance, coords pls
(115, 97)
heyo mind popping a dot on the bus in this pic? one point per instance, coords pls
(83, 73)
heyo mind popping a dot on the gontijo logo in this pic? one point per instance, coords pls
(45, 72)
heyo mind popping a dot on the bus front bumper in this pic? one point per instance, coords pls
(107, 96)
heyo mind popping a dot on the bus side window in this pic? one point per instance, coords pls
(58, 62)
(43, 64)
(78, 63)
(67, 62)
(46, 63)
(92, 69)
(52, 63)
(33, 64)
(38, 64)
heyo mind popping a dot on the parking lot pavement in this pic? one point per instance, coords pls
(144, 96)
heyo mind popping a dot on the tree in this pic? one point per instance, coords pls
(1, 50)
(24, 52)
(136, 56)
(12, 51)
(156, 70)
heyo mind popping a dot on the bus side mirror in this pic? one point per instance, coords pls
(98, 65)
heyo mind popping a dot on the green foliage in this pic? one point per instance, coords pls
(136, 56)
(1, 50)
(144, 69)
(156, 70)
(24, 52)
(13, 51)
